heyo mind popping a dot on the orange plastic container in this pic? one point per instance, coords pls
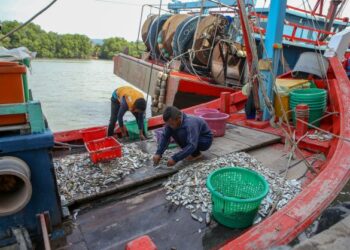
(11, 90)
(104, 149)
(91, 134)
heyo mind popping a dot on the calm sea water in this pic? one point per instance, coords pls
(74, 93)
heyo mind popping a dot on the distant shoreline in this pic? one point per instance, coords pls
(66, 46)
(75, 59)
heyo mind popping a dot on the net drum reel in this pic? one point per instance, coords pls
(228, 63)
(210, 29)
(153, 32)
(145, 30)
(166, 35)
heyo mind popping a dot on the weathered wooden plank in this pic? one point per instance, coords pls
(137, 72)
(250, 136)
(276, 158)
(140, 177)
(223, 146)
(237, 139)
(112, 225)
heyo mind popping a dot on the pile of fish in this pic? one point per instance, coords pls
(188, 186)
(78, 176)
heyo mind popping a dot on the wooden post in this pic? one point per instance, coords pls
(225, 100)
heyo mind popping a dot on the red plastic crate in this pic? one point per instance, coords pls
(141, 243)
(104, 149)
(91, 134)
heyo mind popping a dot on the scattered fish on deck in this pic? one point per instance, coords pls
(320, 136)
(188, 186)
(77, 175)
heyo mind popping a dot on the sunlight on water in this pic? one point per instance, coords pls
(74, 93)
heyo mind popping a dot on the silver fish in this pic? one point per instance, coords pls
(188, 186)
(77, 176)
(207, 218)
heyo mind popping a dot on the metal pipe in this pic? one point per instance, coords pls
(321, 8)
(331, 15)
(341, 8)
(155, 44)
(273, 40)
(195, 32)
(138, 33)
(140, 23)
(15, 188)
(156, 38)
(156, 7)
(178, 5)
(319, 3)
(44, 232)
(222, 4)
(252, 58)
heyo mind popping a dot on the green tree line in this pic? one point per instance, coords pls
(53, 45)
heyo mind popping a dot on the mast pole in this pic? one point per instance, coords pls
(252, 59)
(241, 8)
(273, 45)
(331, 15)
(321, 7)
(319, 3)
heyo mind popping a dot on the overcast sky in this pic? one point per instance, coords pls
(94, 18)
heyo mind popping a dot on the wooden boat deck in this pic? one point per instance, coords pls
(111, 226)
(111, 222)
(236, 139)
(319, 190)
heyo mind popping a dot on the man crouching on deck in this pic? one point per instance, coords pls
(191, 133)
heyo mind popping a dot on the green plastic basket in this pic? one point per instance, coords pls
(308, 94)
(236, 195)
(133, 129)
(311, 105)
(315, 98)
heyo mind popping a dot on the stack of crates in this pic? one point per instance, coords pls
(99, 146)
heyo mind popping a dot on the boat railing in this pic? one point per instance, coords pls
(344, 19)
(294, 32)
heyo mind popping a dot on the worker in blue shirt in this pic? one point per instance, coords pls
(125, 99)
(191, 133)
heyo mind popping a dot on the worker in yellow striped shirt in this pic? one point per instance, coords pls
(125, 99)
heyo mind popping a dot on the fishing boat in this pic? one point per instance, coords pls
(314, 155)
(318, 191)
(209, 73)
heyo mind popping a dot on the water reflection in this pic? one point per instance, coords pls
(74, 93)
